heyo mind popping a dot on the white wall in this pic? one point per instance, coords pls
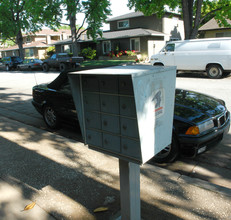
(173, 27)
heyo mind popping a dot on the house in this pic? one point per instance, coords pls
(211, 29)
(134, 31)
(35, 44)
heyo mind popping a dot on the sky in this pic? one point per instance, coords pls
(118, 7)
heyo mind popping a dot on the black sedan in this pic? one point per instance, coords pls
(199, 120)
(30, 64)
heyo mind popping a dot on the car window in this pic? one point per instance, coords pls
(169, 48)
(16, 59)
(25, 61)
(53, 56)
(65, 88)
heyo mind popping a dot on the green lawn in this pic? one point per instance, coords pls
(105, 62)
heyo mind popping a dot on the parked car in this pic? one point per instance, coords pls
(11, 62)
(199, 120)
(208, 54)
(30, 64)
(61, 61)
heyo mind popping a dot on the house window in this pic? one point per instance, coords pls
(29, 52)
(223, 34)
(14, 53)
(135, 44)
(66, 49)
(106, 47)
(123, 24)
(28, 39)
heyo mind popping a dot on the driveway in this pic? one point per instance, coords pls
(213, 166)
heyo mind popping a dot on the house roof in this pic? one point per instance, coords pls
(137, 32)
(38, 44)
(212, 25)
(110, 35)
(135, 14)
(45, 32)
(126, 16)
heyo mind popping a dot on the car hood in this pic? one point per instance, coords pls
(196, 107)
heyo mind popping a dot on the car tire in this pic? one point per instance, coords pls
(50, 117)
(45, 67)
(62, 67)
(168, 154)
(214, 71)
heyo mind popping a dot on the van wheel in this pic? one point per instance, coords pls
(214, 71)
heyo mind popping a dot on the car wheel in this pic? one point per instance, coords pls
(168, 154)
(45, 67)
(214, 71)
(50, 117)
(62, 67)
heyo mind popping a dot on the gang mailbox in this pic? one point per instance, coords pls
(125, 111)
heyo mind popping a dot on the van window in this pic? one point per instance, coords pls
(169, 48)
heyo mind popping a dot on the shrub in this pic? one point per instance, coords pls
(50, 51)
(88, 53)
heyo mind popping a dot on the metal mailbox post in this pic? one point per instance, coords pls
(126, 112)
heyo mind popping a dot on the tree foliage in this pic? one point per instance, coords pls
(194, 12)
(19, 16)
(95, 14)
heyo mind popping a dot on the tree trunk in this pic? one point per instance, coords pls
(197, 19)
(75, 48)
(191, 24)
(187, 17)
(19, 40)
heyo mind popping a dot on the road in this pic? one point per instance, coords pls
(213, 166)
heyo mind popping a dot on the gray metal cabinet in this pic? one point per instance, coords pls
(118, 111)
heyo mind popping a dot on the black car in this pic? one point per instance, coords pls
(11, 62)
(30, 64)
(199, 120)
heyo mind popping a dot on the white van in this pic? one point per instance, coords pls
(212, 55)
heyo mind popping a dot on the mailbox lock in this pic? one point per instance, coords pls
(103, 83)
(88, 120)
(89, 137)
(123, 84)
(103, 104)
(124, 106)
(105, 123)
(105, 142)
(125, 147)
(124, 127)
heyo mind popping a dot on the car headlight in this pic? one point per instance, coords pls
(195, 130)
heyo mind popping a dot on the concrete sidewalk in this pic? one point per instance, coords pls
(68, 181)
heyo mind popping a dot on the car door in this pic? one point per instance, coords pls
(166, 55)
(64, 102)
(52, 60)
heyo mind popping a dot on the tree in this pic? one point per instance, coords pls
(95, 14)
(18, 16)
(194, 12)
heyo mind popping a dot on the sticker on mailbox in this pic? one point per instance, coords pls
(158, 100)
